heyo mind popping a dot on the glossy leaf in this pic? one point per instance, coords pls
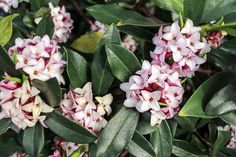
(45, 27)
(6, 30)
(68, 129)
(139, 146)
(229, 118)
(123, 63)
(87, 43)
(37, 4)
(161, 140)
(102, 77)
(33, 140)
(116, 135)
(112, 13)
(171, 5)
(77, 69)
(195, 106)
(4, 125)
(50, 91)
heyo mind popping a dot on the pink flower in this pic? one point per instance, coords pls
(78, 105)
(7, 4)
(22, 104)
(232, 129)
(215, 38)
(18, 154)
(155, 88)
(63, 23)
(129, 43)
(39, 58)
(183, 49)
(98, 27)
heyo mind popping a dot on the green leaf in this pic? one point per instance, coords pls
(222, 138)
(194, 9)
(144, 126)
(139, 146)
(50, 91)
(4, 125)
(116, 135)
(102, 77)
(112, 13)
(87, 43)
(184, 149)
(45, 27)
(196, 104)
(229, 118)
(68, 129)
(33, 140)
(215, 9)
(223, 101)
(82, 149)
(161, 140)
(6, 29)
(123, 63)
(77, 68)
(171, 5)
(37, 4)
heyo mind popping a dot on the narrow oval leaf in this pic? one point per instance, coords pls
(195, 106)
(161, 140)
(68, 129)
(171, 5)
(123, 63)
(87, 43)
(102, 77)
(45, 27)
(139, 146)
(50, 91)
(4, 125)
(33, 140)
(77, 69)
(116, 135)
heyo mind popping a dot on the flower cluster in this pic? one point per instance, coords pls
(129, 43)
(98, 27)
(232, 129)
(22, 103)
(63, 23)
(38, 57)
(155, 88)
(61, 146)
(79, 106)
(183, 49)
(215, 38)
(7, 4)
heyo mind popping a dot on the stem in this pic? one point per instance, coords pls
(202, 140)
(124, 154)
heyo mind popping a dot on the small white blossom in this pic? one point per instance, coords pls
(7, 4)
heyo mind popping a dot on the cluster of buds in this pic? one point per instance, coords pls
(79, 106)
(38, 57)
(232, 129)
(129, 43)
(62, 147)
(183, 49)
(7, 4)
(22, 103)
(63, 23)
(18, 154)
(155, 88)
(215, 38)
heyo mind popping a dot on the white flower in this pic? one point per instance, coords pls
(98, 27)
(7, 4)
(129, 43)
(157, 117)
(104, 104)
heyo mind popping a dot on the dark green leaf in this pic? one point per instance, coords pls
(194, 9)
(45, 27)
(68, 129)
(171, 5)
(116, 135)
(123, 63)
(77, 69)
(144, 126)
(139, 146)
(82, 149)
(33, 140)
(102, 77)
(37, 4)
(229, 118)
(4, 125)
(161, 140)
(49, 90)
(195, 106)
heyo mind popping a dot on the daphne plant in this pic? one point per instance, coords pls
(151, 78)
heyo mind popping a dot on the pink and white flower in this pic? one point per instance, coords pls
(63, 23)
(98, 27)
(232, 129)
(39, 58)
(7, 4)
(129, 43)
(79, 106)
(22, 104)
(18, 154)
(215, 38)
(183, 49)
(155, 88)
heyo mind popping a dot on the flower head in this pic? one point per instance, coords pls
(22, 104)
(155, 88)
(129, 43)
(39, 58)
(232, 129)
(215, 38)
(7, 4)
(18, 154)
(63, 23)
(183, 49)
